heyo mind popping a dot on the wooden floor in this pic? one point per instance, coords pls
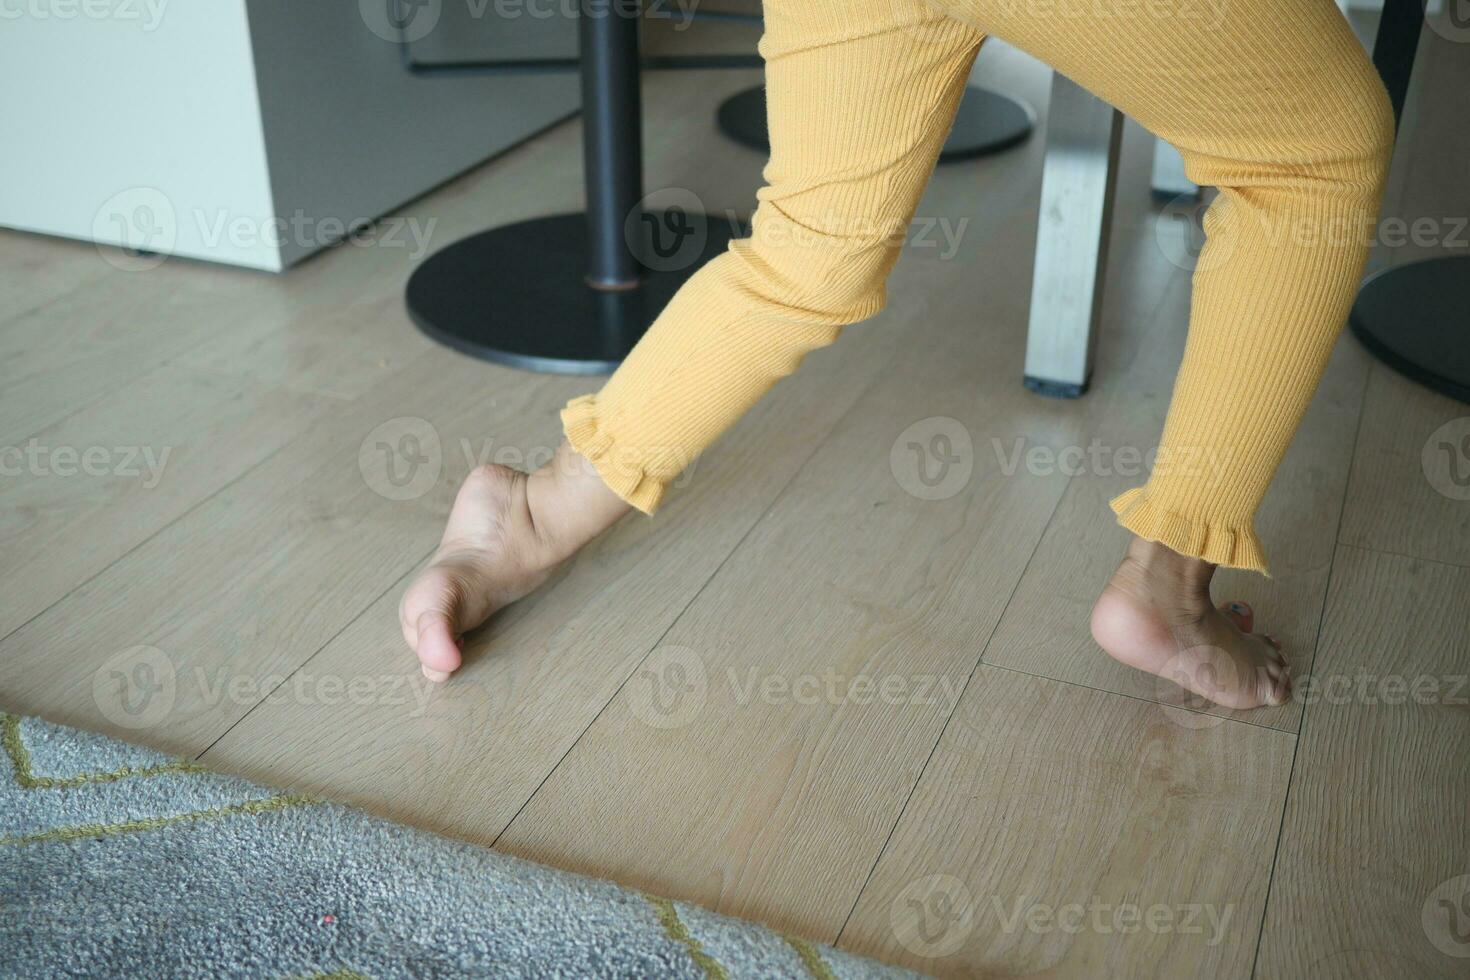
(804, 694)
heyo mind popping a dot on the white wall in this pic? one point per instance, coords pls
(155, 102)
(351, 135)
(189, 129)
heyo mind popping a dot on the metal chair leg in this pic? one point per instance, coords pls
(1079, 174)
(1169, 181)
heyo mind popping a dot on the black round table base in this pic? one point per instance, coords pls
(517, 294)
(987, 122)
(1413, 318)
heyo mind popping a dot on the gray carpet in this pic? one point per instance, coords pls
(116, 861)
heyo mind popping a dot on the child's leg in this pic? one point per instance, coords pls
(860, 98)
(1275, 103)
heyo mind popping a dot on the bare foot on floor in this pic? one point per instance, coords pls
(1156, 615)
(507, 532)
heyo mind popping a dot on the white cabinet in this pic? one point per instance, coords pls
(252, 132)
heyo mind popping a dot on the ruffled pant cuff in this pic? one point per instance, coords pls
(1233, 547)
(617, 465)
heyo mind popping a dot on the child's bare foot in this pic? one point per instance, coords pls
(506, 534)
(1155, 614)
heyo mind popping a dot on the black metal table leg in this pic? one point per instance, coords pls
(987, 122)
(1414, 317)
(572, 293)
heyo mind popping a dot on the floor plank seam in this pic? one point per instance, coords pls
(1290, 780)
(104, 393)
(621, 684)
(1400, 554)
(333, 399)
(1301, 727)
(939, 739)
(122, 557)
(78, 410)
(1141, 698)
(51, 301)
(315, 653)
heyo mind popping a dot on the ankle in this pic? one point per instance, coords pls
(1166, 573)
(569, 504)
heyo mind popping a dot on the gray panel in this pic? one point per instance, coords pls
(350, 134)
(491, 30)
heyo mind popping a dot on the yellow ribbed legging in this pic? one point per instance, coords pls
(1272, 101)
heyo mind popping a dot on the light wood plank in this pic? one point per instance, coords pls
(1410, 487)
(1063, 832)
(83, 492)
(1376, 819)
(97, 337)
(820, 664)
(334, 327)
(37, 269)
(250, 584)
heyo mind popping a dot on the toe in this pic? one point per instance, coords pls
(1274, 684)
(429, 614)
(437, 649)
(1240, 614)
